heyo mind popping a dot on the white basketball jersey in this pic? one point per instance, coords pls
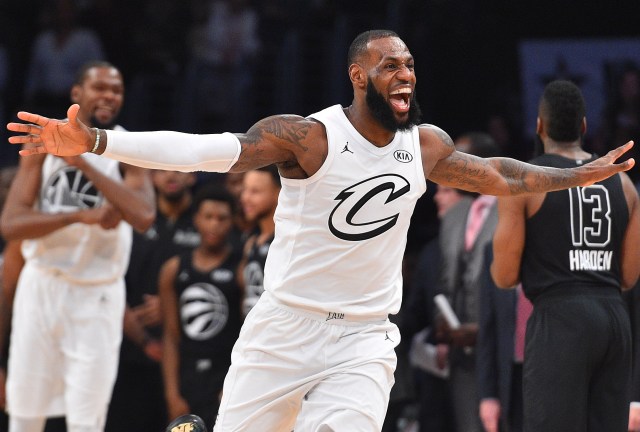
(341, 233)
(78, 252)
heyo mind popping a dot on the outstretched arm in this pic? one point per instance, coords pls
(504, 176)
(287, 140)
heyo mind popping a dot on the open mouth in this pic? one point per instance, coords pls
(400, 99)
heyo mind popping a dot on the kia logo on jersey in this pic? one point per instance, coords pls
(402, 156)
(367, 209)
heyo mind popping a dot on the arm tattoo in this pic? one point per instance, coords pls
(523, 179)
(465, 173)
(515, 174)
(287, 128)
(444, 137)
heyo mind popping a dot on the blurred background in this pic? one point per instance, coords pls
(220, 65)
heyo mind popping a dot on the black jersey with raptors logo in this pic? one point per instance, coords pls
(209, 309)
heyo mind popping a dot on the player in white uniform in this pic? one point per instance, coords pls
(317, 351)
(74, 217)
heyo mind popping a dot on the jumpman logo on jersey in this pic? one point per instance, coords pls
(386, 336)
(346, 148)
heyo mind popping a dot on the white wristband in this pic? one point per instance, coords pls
(174, 151)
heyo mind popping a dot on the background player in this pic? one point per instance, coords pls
(259, 199)
(201, 302)
(573, 251)
(74, 217)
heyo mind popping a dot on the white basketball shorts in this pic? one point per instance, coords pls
(294, 369)
(65, 345)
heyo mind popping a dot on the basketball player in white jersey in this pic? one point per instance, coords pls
(317, 351)
(74, 216)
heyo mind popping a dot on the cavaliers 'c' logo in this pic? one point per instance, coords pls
(364, 209)
(68, 190)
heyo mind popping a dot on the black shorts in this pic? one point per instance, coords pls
(577, 362)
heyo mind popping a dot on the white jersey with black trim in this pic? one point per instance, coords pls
(79, 252)
(341, 233)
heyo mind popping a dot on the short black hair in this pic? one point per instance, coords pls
(81, 75)
(213, 192)
(562, 108)
(359, 45)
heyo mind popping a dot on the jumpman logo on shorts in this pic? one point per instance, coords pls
(386, 336)
(346, 148)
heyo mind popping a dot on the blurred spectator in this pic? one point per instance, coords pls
(219, 75)
(504, 133)
(58, 52)
(465, 231)
(500, 353)
(259, 199)
(418, 327)
(277, 65)
(242, 227)
(160, 47)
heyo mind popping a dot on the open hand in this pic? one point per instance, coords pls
(59, 137)
(596, 172)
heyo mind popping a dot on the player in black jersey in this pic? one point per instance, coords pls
(259, 199)
(200, 301)
(573, 251)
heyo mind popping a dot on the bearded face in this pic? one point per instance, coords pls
(383, 112)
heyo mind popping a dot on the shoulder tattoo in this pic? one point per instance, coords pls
(442, 135)
(287, 128)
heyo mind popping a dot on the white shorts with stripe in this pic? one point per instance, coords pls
(293, 369)
(65, 345)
